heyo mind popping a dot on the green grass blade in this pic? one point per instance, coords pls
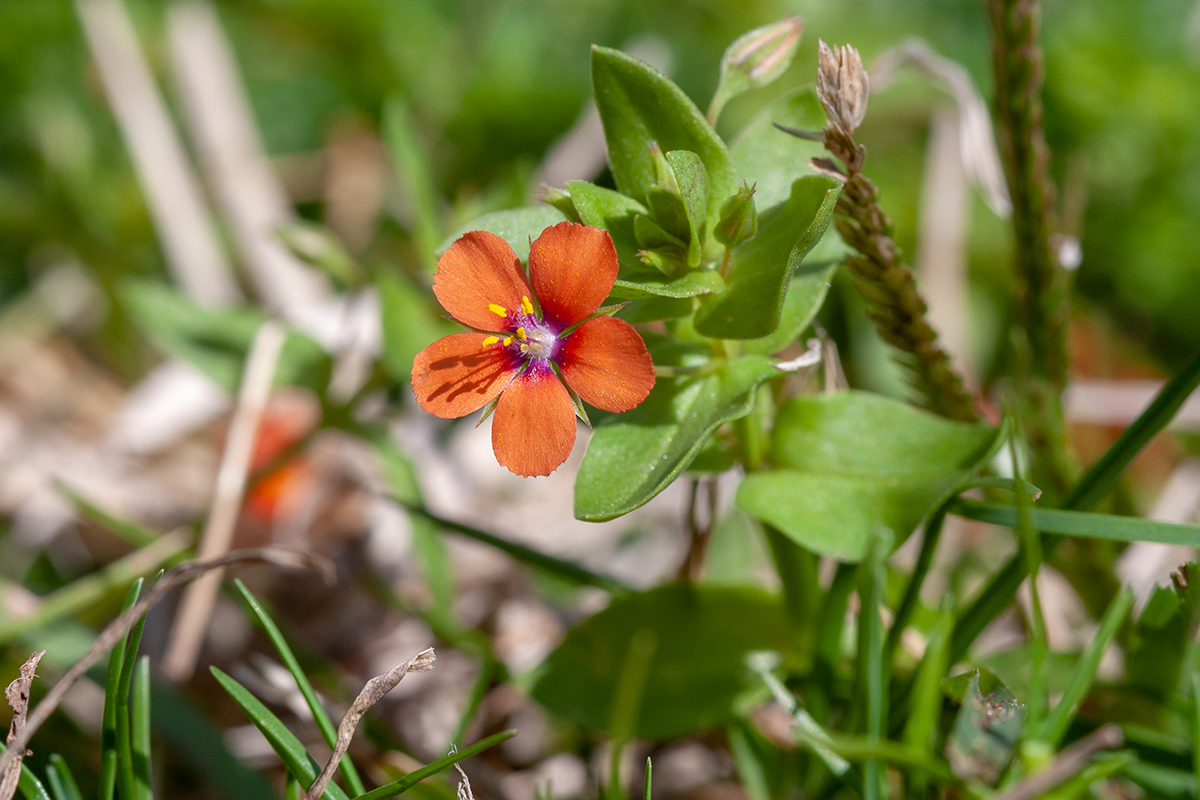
(1103, 767)
(126, 775)
(627, 701)
(399, 787)
(139, 718)
(28, 784)
(136, 534)
(488, 670)
(109, 756)
(750, 770)
(920, 731)
(324, 724)
(1196, 730)
(410, 159)
(1059, 719)
(1098, 480)
(62, 782)
(195, 739)
(873, 675)
(85, 592)
(649, 771)
(833, 615)
(566, 570)
(292, 789)
(1083, 524)
(282, 741)
(1031, 547)
(912, 592)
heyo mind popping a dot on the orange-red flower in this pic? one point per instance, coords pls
(525, 337)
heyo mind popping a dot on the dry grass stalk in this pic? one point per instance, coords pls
(196, 608)
(1069, 763)
(17, 695)
(119, 627)
(884, 280)
(371, 694)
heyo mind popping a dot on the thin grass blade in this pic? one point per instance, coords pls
(324, 723)
(920, 731)
(139, 718)
(109, 755)
(126, 770)
(1082, 524)
(62, 782)
(649, 771)
(437, 767)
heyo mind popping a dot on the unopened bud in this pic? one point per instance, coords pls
(755, 59)
(739, 218)
(842, 86)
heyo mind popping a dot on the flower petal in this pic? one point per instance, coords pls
(605, 361)
(457, 375)
(480, 270)
(573, 268)
(533, 429)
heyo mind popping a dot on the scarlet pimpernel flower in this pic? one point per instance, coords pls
(530, 335)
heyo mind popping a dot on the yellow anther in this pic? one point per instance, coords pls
(526, 305)
(491, 340)
(507, 341)
(498, 310)
(521, 334)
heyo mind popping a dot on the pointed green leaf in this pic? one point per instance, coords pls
(755, 59)
(649, 282)
(634, 456)
(517, 226)
(293, 755)
(640, 106)
(1084, 524)
(805, 296)
(763, 267)
(702, 634)
(693, 187)
(848, 462)
(139, 733)
(770, 159)
(108, 720)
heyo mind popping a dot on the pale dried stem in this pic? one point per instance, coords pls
(120, 626)
(17, 695)
(197, 605)
(1069, 763)
(371, 694)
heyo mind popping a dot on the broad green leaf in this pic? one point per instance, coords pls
(648, 282)
(652, 309)
(761, 268)
(985, 732)
(324, 724)
(702, 634)
(805, 296)
(770, 159)
(289, 749)
(848, 462)
(640, 106)
(613, 211)
(409, 323)
(399, 787)
(1158, 646)
(517, 226)
(218, 340)
(634, 456)
(755, 59)
(1084, 524)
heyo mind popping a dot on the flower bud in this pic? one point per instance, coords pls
(842, 86)
(755, 59)
(739, 218)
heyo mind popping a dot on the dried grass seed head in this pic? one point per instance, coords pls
(842, 86)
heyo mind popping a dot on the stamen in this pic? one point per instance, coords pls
(521, 334)
(507, 341)
(500, 311)
(526, 305)
(491, 340)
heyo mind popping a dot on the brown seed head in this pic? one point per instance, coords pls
(842, 86)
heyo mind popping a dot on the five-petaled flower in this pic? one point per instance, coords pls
(527, 339)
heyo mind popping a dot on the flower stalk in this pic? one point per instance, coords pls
(884, 280)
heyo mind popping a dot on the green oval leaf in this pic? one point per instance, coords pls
(760, 270)
(634, 456)
(771, 159)
(700, 635)
(517, 226)
(638, 105)
(848, 462)
(636, 284)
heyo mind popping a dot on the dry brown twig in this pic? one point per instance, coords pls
(371, 694)
(17, 695)
(119, 627)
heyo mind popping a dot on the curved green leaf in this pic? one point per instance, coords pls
(752, 304)
(401, 786)
(639, 106)
(846, 463)
(634, 456)
(771, 159)
(636, 284)
(702, 634)
(1084, 524)
(805, 296)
